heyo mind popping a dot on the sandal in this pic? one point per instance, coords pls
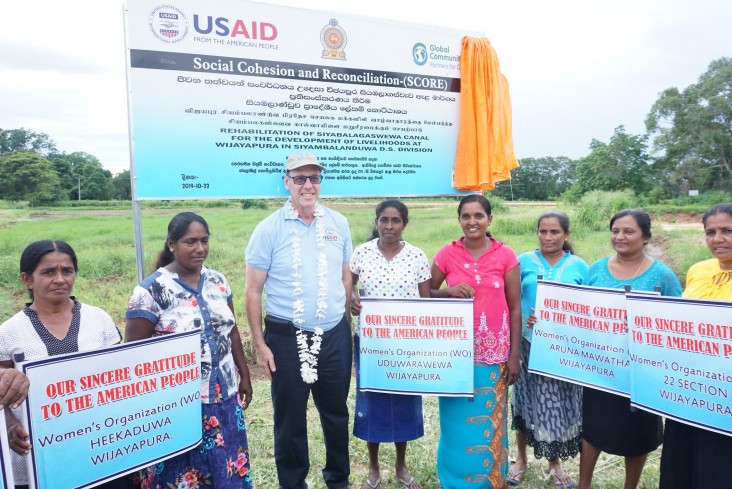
(407, 484)
(375, 485)
(515, 477)
(557, 476)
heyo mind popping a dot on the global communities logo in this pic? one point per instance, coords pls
(419, 54)
(168, 23)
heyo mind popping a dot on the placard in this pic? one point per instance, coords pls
(581, 336)
(6, 468)
(681, 354)
(115, 410)
(417, 346)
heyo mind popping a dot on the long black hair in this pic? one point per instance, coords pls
(563, 220)
(177, 228)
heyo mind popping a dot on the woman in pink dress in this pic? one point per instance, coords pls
(473, 447)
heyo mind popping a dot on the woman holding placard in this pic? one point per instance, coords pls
(473, 431)
(547, 413)
(388, 267)
(694, 457)
(184, 295)
(53, 323)
(608, 422)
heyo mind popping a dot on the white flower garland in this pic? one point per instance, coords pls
(308, 354)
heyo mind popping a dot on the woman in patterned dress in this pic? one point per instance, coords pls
(473, 447)
(184, 295)
(547, 413)
(53, 323)
(387, 267)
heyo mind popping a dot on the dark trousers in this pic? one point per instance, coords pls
(330, 394)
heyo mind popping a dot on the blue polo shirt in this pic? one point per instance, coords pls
(270, 250)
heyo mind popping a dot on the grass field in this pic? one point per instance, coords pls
(103, 240)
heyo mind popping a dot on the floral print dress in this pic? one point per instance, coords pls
(222, 458)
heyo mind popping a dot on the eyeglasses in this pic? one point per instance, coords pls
(300, 179)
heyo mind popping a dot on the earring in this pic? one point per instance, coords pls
(171, 250)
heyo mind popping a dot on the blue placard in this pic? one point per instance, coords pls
(417, 346)
(581, 336)
(681, 359)
(116, 410)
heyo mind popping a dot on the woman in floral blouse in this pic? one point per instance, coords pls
(184, 295)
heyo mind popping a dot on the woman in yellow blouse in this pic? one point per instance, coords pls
(694, 457)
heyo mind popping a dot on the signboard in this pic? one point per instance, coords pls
(581, 336)
(417, 346)
(220, 94)
(116, 410)
(681, 354)
(6, 469)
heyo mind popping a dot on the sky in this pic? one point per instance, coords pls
(577, 69)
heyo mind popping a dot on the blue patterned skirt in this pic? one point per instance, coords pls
(220, 461)
(473, 448)
(385, 418)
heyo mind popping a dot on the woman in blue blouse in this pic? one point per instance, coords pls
(183, 295)
(547, 413)
(609, 424)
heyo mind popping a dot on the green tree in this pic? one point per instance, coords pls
(25, 140)
(120, 187)
(25, 175)
(692, 130)
(621, 164)
(543, 178)
(82, 173)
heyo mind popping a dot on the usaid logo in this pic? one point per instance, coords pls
(168, 23)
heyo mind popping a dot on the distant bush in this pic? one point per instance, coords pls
(707, 198)
(254, 204)
(10, 204)
(597, 207)
(217, 203)
(516, 226)
(175, 204)
(498, 204)
(688, 204)
(125, 204)
(655, 196)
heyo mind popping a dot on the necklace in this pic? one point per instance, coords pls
(308, 354)
(615, 261)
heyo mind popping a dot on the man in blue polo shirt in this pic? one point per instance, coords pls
(298, 257)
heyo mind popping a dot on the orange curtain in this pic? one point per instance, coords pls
(484, 152)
